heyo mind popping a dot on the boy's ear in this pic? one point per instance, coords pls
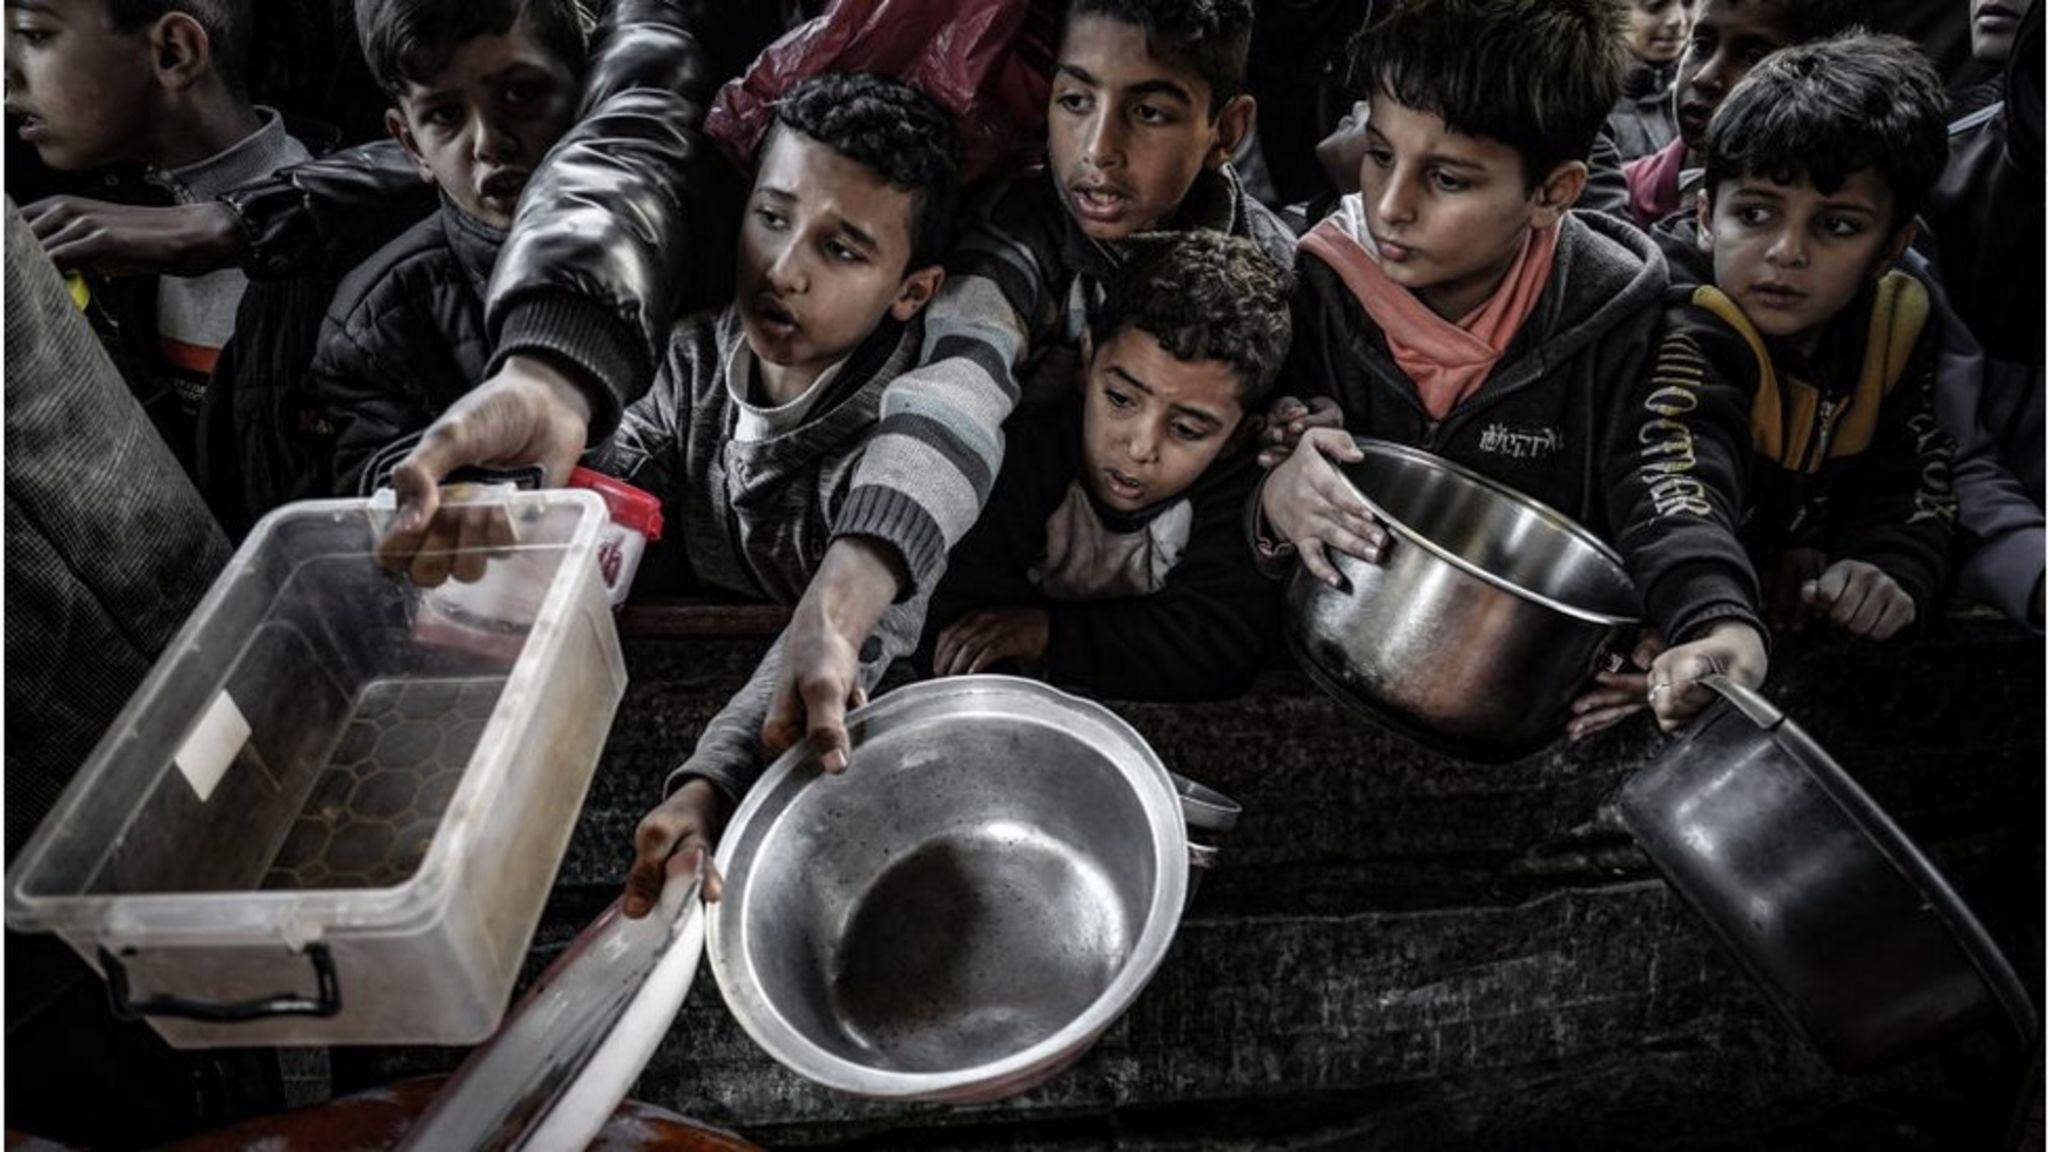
(401, 131)
(182, 51)
(1558, 192)
(1895, 248)
(916, 291)
(1703, 214)
(1233, 124)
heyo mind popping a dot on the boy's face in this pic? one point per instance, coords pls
(1153, 423)
(1793, 258)
(1127, 132)
(824, 254)
(483, 124)
(1993, 24)
(1656, 29)
(1729, 37)
(78, 91)
(1448, 211)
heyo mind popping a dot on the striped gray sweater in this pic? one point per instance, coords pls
(755, 516)
(1021, 281)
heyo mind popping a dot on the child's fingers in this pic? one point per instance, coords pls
(1676, 702)
(1311, 552)
(1898, 612)
(825, 721)
(1849, 604)
(783, 726)
(653, 843)
(1646, 652)
(1364, 548)
(1601, 719)
(472, 543)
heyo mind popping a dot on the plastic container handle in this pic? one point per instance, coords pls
(326, 1003)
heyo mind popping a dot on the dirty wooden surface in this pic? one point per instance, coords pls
(1407, 952)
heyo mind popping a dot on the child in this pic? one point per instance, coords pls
(1728, 38)
(756, 424)
(1645, 119)
(1792, 314)
(159, 83)
(480, 90)
(1456, 304)
(1112, 553)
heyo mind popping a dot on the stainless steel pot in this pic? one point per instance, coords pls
(961, 914)
(1848, 930)
(1483, 620)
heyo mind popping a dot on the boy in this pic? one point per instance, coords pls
(158, 83)
(480, 91)
(756, 424)
(1456, 303)
(1728, 38)
(1791, 322)
(1112, 554)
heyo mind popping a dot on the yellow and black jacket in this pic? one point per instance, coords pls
(1837, 450)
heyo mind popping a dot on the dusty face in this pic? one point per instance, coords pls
(1993, 24)
(1128, 133)
(1729, 37)
(1152, 423)
(1792, 257)
(78, 91)
(483, 124)
(1657, 29)
(1447, 211)
(823, 256)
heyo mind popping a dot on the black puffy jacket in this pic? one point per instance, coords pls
(628, 222)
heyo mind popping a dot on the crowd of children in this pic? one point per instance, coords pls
(1719, 280)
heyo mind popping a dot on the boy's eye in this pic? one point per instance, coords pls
(1075, 102)
(521, 91)
(1446, 182)
(30, 35)
(1151, 114)
(1117, 399)
(1753, 214)
(444, 115)
(1383, 157)
(1841, 226)
(1188, 432)
(769, 218)
(845, 254)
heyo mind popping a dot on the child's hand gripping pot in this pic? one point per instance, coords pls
(1309, 504)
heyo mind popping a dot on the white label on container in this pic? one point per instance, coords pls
(212, 746)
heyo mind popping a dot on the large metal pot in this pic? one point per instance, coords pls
(1848, 930)
(961, 914)
(1484, 618)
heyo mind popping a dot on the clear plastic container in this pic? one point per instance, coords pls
(332, 812)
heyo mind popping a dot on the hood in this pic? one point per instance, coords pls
(1679, 239)
(1604, 274)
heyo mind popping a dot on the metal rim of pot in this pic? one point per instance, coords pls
(1166, 808)
(1880, 833)
(1565, 525)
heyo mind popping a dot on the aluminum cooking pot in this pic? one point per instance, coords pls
(960, 914)
(1848, 930)
(1483, 619)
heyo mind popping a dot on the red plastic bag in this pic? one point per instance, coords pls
(988, 62)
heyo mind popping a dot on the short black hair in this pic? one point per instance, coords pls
(1540, 76)
(1811, 19)
(1204, 295)
(896, 132)
(1212, 38)
(1826, 110)
(411, 41)
(226, 23)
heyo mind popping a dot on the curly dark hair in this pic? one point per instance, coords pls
(1204, 295)
(1538, 75)
(410, 41)
(1828, 109)
(1212, 38)
(897, 132)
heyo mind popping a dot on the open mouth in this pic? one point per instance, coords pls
(1122, 486)
(27, 125)
(1776, 295)
(775, 318)
(504, 186)
(1099, 201)
(1997, 18)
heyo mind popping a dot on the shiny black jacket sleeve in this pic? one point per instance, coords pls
(626, 224)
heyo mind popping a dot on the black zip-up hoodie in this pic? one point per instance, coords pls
(1844, 452)
(1542, 422)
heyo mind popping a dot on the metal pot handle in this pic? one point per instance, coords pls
(1746, 700)
(1205, 810)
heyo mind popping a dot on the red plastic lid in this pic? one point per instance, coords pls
(630, 507)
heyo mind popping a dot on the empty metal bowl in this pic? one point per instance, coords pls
(960, 914)
(1481, 622)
